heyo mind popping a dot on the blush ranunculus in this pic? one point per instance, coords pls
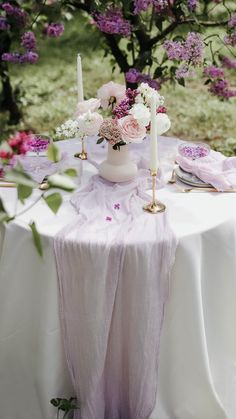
(87, 105)
(111, 93)
(132, 131)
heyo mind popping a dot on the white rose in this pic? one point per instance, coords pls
(141, 113)
(163, 123)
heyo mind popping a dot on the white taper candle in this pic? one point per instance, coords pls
(80, 79)
(153, 137)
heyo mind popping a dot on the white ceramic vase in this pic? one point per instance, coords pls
(118, 167)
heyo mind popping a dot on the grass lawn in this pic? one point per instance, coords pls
(49, 90)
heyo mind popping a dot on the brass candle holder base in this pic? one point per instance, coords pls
(155, 206)
(82, 155)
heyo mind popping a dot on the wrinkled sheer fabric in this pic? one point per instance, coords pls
(215, 169)
(113, 267)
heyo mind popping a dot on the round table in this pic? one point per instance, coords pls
(197, 369)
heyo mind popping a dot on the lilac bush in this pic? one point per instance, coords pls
(19, 22)
(158, 41)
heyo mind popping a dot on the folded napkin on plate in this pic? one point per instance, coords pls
(113, 267)
(215, 169)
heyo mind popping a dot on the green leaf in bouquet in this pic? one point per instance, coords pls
(100, 140)
(53, 153)
(24, 192)
(36, 238)
(71, 172)
(54, 201)
(61, 182)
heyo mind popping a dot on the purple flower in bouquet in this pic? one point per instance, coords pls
(4, 26)
(28, 41)
(228, 62)
(54, 29)
(113, 22)
(214, 72)
(122, 109)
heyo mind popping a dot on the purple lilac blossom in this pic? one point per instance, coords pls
(17, 58)
(192, 4)
(230, 39)
(54, 29)
(132, 75)
(214, 72)
(191, 50)
(221, 89)
(28, 41)
(113, 22)
(227, 62)
(124, 106)
(232, 21)
(143, 5)
(18, 14)
(4, 26)
(183, 72)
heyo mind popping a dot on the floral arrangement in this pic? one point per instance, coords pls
(129, 119)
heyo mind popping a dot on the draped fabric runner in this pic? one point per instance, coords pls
(215, 169)
(113, 267)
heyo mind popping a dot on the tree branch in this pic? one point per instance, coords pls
(117, 53)
(174, 25)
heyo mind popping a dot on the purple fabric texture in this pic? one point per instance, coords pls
(113, 266)
(215, 169)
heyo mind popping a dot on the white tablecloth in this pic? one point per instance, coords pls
(197, 375)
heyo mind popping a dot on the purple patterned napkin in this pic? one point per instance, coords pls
(114, 266)
(215, 169)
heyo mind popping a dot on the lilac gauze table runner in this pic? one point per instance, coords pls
(113, 265)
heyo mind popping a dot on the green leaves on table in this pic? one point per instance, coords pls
(53, 153)
(36, 238)
(54, 201)
(61, 181)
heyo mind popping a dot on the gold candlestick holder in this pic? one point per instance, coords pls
(155, 206)
(82, 155)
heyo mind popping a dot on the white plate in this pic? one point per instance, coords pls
(190, 179)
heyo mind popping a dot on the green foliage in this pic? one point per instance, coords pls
(61, 181)
(54, 201)
(53, 153)
(36, 238)
(65, 405)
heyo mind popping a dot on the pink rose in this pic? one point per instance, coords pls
(132, 131)
(87, 105)
(111, 94)
(90, 123)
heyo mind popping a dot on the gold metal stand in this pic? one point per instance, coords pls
(82, 155)
(155, 206)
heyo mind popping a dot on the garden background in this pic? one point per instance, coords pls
(47, 91)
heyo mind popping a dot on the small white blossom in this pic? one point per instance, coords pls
(146, 93)
(141, 113)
